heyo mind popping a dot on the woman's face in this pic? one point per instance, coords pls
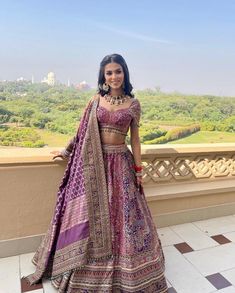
(114, 75)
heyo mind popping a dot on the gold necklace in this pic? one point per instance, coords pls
(115, 100)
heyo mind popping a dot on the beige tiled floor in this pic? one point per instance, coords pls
(185, 272)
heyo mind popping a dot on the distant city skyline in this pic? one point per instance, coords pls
(177, 45)
(49, 78)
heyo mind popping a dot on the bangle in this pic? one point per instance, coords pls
(65, 153)
(138, 168)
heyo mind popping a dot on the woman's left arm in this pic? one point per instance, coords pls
(136, 149)
(134, 131)
(135, 143)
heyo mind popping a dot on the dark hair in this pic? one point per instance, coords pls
(116, 58)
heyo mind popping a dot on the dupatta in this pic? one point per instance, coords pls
(80, 228)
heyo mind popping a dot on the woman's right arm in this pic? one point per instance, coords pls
(66, 152)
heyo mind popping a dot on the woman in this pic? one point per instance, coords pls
(102, 238)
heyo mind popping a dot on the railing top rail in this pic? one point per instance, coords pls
(40, 155)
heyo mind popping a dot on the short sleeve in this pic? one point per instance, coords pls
(136, 113)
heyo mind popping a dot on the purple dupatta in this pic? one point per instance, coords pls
(80, 227)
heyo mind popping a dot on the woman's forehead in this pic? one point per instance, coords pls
(112, 66)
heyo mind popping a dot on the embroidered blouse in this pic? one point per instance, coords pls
(119, 120)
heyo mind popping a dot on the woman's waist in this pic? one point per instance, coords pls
(112, 138)
(110, 147)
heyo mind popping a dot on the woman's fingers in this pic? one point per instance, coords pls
(58, 156)
(55, 153)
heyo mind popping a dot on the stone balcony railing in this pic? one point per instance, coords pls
(182, 183)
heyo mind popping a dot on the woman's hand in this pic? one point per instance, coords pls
(57, 155)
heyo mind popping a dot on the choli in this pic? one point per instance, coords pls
(119, 121)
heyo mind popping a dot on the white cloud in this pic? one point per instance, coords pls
(132, 34)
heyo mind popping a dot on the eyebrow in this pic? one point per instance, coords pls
(118, 69)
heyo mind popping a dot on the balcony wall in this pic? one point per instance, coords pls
(182, 183)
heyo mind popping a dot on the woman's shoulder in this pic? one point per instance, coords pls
(95, 97)
(91, 101)
(135, 103)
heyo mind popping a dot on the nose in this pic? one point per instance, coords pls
(114, 75)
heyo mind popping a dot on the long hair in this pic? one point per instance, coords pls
(116, 58)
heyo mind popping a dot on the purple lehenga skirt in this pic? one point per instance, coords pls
(137, 263)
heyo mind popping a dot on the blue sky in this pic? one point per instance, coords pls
(179, 45)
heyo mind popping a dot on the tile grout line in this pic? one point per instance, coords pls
(176, 234)
(217, 244)
(200, 229)
(228, 216)
(206, 234)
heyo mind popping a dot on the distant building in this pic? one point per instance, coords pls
(83, 86)
(50, 79)
(20, 79)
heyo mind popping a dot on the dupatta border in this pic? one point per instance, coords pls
(96, 190)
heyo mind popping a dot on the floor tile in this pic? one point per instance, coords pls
(216, 226)
(221, 239)
(48, 287)
(229, 275)
(10, 275)
(182, 275)
(230, 236)
(218, 281)
(168, 236)
(26, 287)
(194, 236)
(213, 260)
(183, 247)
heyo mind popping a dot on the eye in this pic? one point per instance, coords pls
(108, 73)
